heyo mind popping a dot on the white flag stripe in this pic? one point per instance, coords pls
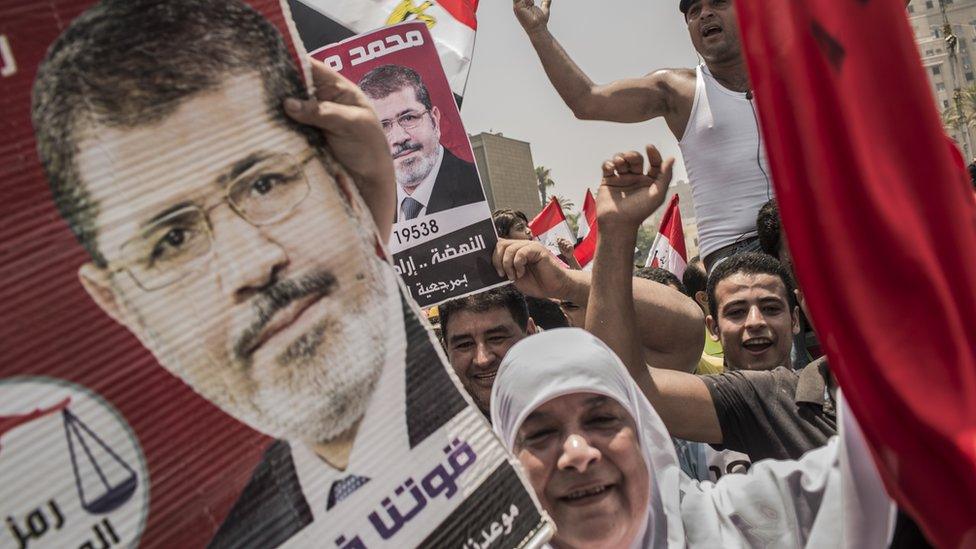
(667, 257)
(550, 237)
(582, 227)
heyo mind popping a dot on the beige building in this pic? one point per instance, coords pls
(507, 172)
(946, 73)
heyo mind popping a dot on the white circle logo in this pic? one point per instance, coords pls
(72, 473)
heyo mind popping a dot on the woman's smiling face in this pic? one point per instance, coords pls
(583, 457)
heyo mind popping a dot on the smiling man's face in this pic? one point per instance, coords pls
(282, 323)
(477, 341)
(755, 323)
(714, 30)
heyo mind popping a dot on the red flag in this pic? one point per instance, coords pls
(668, 249)
(551, 225)
(588, 231)
(880, 222)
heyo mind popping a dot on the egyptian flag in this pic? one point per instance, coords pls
(882, 228)
(668, 249)
(452, 23)
(551, 225)
(587, 232)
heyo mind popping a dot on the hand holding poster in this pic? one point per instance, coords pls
(226, 255)
(443, 236)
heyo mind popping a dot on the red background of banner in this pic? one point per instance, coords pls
(198, 457)
(425, 61)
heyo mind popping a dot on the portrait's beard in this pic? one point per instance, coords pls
(413, 171)
(320, 384)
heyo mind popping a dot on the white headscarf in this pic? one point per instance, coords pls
(569, 360)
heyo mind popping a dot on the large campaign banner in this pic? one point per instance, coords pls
(443, 236)
(203, 341)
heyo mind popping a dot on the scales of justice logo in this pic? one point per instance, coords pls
(72, 473)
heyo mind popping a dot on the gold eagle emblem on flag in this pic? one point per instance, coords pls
(406, 8)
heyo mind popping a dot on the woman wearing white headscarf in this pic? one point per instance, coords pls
(603, 465)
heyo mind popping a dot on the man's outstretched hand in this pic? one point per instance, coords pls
(628, 195)
(346, 117)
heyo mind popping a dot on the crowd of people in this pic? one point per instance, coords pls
(633, 430)
(646, 410)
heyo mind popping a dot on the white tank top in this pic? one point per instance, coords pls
(720, 147)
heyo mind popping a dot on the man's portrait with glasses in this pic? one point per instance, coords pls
(230, 241)
(430, 178)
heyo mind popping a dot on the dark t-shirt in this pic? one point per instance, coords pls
(782, 414)
(778, 414)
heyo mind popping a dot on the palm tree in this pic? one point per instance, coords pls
(565, 203)
(543, 181)
(961, 113)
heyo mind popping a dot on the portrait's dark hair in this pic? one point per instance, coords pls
(131, 63)
(546, 313)
(382, 81)
(972, 173)
(767, 225)
(661, 276)
(504, 297)
(505, 219)
(748, 263)
(695, 278)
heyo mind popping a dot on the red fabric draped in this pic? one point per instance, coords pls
(882, 227)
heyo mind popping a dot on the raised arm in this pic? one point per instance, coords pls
(626, 100)
(669, 324)
(626, 197)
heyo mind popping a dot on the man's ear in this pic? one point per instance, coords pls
(803, 307)
(531, 328)
(702, 299)
(96, 282)
(435, 115)
(712, 326)
(796, 320)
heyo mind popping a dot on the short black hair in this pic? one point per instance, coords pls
(131, 63)
(695, 278)
(546, 313)
(661, 276)
(384, 80)
(505, 219)
(506, 296)
(749, 263)
(768, 227)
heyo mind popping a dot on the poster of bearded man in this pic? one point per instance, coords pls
(443, 236)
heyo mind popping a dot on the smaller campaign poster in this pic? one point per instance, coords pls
(443, 236)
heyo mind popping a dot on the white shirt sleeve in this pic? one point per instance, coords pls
(831, 497)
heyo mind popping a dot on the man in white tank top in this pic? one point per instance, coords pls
(708, 109)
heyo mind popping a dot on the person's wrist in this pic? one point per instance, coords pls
(538, 33)
(571, 288)
(617, 226)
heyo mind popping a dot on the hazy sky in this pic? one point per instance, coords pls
(508, 91)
